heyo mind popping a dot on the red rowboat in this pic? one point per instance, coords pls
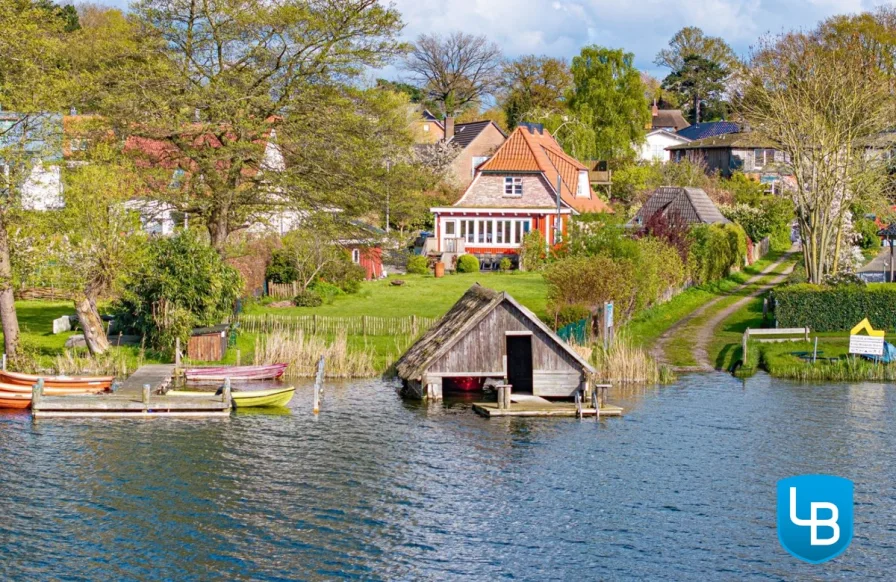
(49, 390)
(97, 382)
(235, 373)
(14, 400)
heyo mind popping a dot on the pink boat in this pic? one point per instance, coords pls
(235, 373)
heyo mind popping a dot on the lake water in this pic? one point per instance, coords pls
(682, 487)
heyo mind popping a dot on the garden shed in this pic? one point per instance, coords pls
(488, 334)
(208, 344)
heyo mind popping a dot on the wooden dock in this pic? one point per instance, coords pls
(131, 399)
(547, 408)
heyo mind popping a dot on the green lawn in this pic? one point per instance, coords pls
(423, 295)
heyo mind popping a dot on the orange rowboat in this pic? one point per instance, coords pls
(13, 400)
(101, 382)
(49, 390)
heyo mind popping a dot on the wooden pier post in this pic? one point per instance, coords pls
(177, 353)
(226, 395)
(37, 392)
(318, 384)
(146, 390)
(501, 388)
(508, 390)
(578, 404)
(595, 402)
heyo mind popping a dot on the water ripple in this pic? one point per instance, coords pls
(376, 488)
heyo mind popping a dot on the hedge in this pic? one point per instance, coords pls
(835, 308)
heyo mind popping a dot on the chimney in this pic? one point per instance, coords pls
(449, 127)
(656, 110)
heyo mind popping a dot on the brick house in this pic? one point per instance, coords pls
(512, 194)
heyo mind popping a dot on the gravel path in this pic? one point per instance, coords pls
(704, 333)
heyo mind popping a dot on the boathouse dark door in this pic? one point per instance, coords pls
(519, 363)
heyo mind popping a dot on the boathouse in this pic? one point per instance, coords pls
(488, 335)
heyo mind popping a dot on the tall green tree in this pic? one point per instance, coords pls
(608, 88)
(691, 41)
(701, 83)
(531, 83)
(225, 79)
(34, 79)
(820, 102)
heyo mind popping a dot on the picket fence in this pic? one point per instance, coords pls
(324, 324)
(283, 290)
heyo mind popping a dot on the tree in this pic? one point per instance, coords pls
(224, 79)
(96, 238)
(608, 88)
(574, 131)
(819, 102)
(456, 70)
(33, 80)
(690, 41)
(532, 83)
(699, 81)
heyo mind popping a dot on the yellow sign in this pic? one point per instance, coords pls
(865, 325)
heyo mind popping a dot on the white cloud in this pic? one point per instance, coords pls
(561, 27)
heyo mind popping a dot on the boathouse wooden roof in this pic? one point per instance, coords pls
(463, 317)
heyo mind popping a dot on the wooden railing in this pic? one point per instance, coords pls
(327, 324)
(794, 334)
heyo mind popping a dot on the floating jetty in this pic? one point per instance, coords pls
(139, 396)
(527, 405)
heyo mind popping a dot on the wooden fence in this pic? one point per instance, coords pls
(326, 324)
(283, 290)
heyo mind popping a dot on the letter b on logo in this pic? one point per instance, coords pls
(815, 516)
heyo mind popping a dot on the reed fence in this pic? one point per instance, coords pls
(364, 325)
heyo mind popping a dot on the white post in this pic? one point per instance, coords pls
(318, 384)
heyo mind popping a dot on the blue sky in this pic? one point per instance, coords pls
(561, 27)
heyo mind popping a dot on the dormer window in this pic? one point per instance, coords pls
(583, 189)
(513, 187)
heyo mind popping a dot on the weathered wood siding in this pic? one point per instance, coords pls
(481, 352)
(207, 348)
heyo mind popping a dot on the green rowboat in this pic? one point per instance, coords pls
(278, 397)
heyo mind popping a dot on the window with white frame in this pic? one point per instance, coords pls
(356, 256)
(513, 186)
(494, 231)
(425, 127)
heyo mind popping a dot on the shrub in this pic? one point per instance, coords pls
(308, 298)
(506, 264)
(765, 216)
(823, 308)
(326, 291)
(533, 252)
(714, 250)
(589, 282)
(571, 314)
(467, 264)
(183, 283)
(867, 231)
(344, 274)
(281, 269)
(418, 265)
(659, 268)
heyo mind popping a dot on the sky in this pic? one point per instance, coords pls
(560, 28)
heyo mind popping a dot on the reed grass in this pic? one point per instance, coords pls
(626, 363)
(302, 353)
(112, 363)
(842, 370)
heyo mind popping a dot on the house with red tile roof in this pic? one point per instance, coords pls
(529, 184)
